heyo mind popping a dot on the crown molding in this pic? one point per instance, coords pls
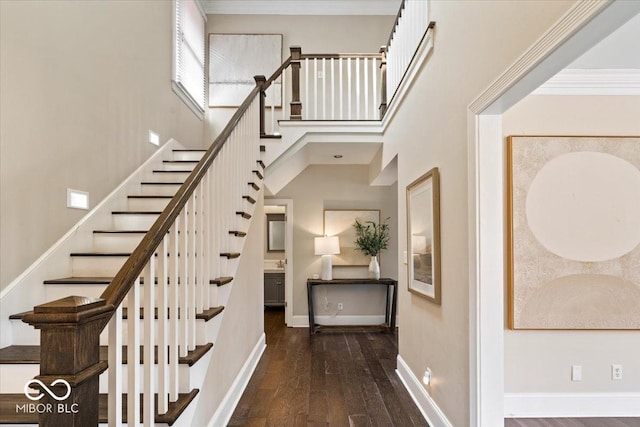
(301, 7)
(592, 82)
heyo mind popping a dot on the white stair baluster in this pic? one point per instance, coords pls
(115, 369)
(183, 330)
(174, 269)
(133, 355)
(163, 325)
(192, 257)
(148, 406)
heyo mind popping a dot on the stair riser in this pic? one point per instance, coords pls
(134, 221)
(14, 377)
(104, 242)
(147, 204)
(187, 155)
(167, 177)
(97, 266)
(158, 190)
(177, 166)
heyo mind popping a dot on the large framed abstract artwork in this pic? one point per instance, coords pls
(233, 61)
(339, 222)
(423, 236)
(573, 232)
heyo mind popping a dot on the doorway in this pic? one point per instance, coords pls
(278, 256)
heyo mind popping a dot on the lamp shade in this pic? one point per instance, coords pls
(327, 245)
(419, 244)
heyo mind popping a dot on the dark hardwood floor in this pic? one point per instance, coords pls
(337, 378)
(572, 422)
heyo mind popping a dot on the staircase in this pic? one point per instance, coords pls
(175, 201)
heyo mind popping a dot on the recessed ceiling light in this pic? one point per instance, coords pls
(337, 156)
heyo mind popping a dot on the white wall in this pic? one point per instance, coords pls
(81, 85)
(322, 187)
(473, 43)
(315, 34)
(540, 361)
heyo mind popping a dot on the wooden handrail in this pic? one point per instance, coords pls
(277, 73)
(122, 283)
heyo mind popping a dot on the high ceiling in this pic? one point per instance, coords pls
(302, 7)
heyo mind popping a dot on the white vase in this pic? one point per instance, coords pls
(374, 268)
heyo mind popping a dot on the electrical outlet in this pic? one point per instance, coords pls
(616, 372)
(426, 378)
(576, 372)
(320, 74)
(340, 306)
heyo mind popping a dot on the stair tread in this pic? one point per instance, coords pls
(230, 255)
(238, 233)
(106, 280)
(136, 212)
(180, 161)
(261, 163)
(243, 214)
(254, 185)
(221, 281)
(149, 197)
(8, 414)
(270, 136)
(30, 354)
(120, 231)
(160, 183)
(205, 315)
(249, 199)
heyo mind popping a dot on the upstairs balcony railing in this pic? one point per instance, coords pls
(337, 87)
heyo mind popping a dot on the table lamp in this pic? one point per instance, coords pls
(326, 246)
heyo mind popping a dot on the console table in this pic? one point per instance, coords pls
(390, 310)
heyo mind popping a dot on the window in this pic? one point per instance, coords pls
(188, 70)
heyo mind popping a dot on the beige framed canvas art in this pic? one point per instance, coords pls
(573, 232)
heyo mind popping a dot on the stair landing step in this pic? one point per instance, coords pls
(30, 354)
(270, 136)
(8, 414)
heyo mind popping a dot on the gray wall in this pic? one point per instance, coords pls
(81, 85)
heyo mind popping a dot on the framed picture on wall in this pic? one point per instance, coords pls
(233, 61)
(423, 236)
(339, 222)
(573, 232)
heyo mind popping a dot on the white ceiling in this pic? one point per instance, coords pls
(301, 7)
(620, 50)
(352, 153)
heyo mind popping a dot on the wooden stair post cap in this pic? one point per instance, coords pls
(72, 309)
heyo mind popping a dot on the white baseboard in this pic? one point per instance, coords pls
(224, 412)
(430, 410)
(303, 321)
(549, 405)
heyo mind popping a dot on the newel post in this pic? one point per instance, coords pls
(296, 105)
(260, 81)
(383, 81)
(70, 359)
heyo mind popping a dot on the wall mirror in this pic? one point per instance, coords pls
(275, 232)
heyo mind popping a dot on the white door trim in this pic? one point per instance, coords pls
(288, 251)
(583, 26)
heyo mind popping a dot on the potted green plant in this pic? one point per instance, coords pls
(371, 239)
